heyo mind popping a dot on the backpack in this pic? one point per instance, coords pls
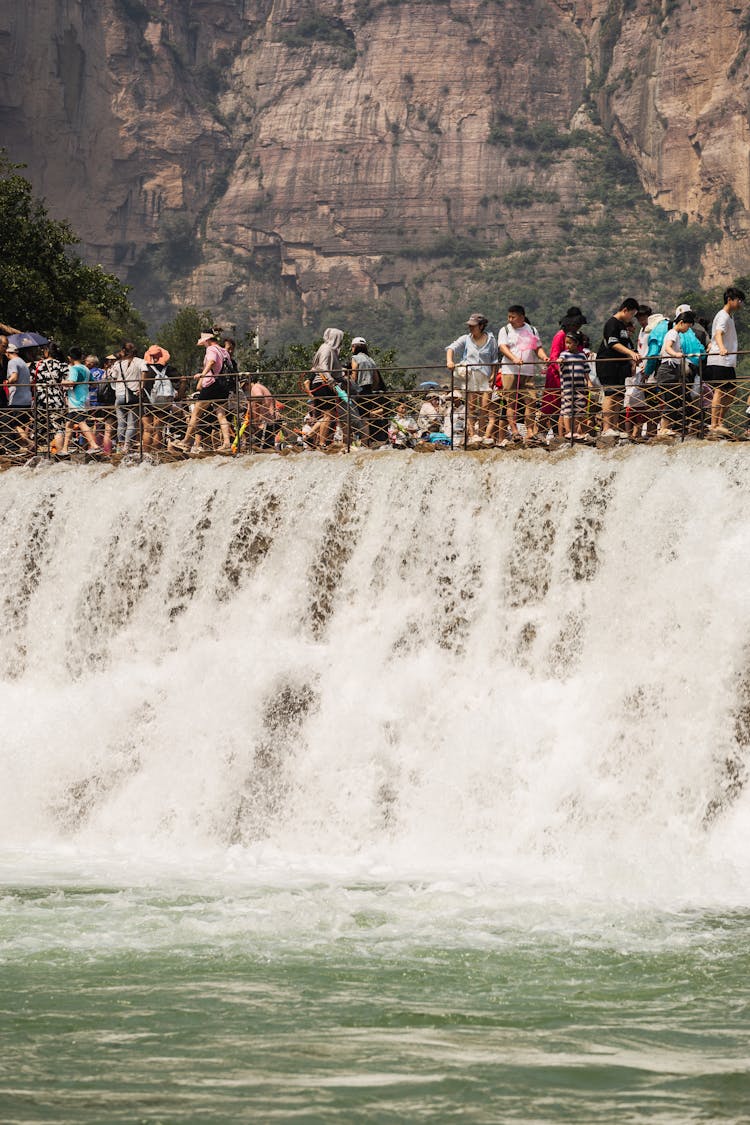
(224, 380)
(105, 392)
(162, 391)
(378, 382)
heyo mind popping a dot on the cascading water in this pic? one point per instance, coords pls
(504, 661)
(331, 702)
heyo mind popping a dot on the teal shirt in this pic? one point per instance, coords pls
(78, 396)
(692, 347)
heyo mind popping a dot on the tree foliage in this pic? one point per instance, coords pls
(285, 368)
(180, 335)
(706, 303)
(44, 285)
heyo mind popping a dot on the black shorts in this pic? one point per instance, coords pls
(721, 378)
(325, 396)
(19, 415)
(215, 392)
(78, 416)
(612, 375)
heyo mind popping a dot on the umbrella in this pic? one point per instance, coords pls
(27, 340)
(428, 384)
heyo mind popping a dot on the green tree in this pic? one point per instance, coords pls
(103, 335)
(707, 302)
(180, 337)
(287, 366)
(44, 286)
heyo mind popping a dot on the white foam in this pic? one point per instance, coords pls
(518, 671)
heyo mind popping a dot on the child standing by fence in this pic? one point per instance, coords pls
(574, 383)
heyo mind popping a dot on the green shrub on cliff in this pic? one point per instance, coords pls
(44, 286)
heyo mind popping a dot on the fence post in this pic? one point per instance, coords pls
(572, 403)
(349, 416)
(453, 382)
(702, 423)
(140, 417)
(683, 380)
(467, 415)
(36, 423)
(237, 408)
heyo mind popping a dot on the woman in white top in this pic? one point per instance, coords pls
(127, 376)
(477, 352)
(669, 375)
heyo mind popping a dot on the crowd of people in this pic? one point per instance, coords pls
(649, 377)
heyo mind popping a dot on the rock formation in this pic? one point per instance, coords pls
(271, 159)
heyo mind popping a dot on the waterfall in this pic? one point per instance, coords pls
(522, 665)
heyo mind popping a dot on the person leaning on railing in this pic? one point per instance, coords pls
(721, 360)
(262, 413)
(520, 344)
(476, 353)
(669, 375)
(18, 379)
(616, 359)
(77, 385)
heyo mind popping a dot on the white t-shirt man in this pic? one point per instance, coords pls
(523, 342)
(723, 323)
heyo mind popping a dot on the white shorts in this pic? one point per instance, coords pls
(477, 383)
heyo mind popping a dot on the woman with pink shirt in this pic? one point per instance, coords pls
(210, 391)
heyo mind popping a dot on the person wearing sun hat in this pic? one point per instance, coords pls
(476, 352)
(209, 389)
(19, 399)
(160, 394)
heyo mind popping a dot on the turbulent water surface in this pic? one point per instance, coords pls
(376, 788)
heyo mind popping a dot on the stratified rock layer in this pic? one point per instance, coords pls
(271, 158)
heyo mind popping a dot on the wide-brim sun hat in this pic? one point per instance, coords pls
(157, 354)
(205, 338)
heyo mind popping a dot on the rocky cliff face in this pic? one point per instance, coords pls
(674, 89)
(271, 159)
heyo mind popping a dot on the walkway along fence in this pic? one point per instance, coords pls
(439, 410)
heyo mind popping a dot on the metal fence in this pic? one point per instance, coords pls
(447, 410)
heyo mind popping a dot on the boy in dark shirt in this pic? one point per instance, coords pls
(615, 360)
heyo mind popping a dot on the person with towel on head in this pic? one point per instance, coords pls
(325, 373)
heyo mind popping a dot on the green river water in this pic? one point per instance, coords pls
(367, 1002)
(377, 789)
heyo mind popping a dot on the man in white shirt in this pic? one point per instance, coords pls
(519, 345)
(721, 361)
